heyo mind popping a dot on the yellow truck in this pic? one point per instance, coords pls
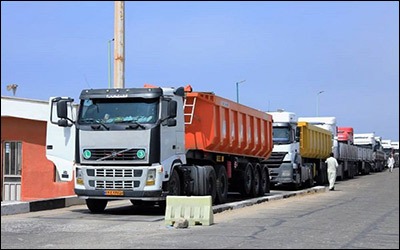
(299, 152)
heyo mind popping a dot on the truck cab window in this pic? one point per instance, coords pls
(113, 111)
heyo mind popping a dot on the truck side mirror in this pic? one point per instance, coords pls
(297, 136)
(62, 109)
(172, 108)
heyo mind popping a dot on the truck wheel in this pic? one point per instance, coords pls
(222, 184)
(255, 190)
(211, 183)
(246, 180)
(96, 205)
(174, 184)
(265, 185)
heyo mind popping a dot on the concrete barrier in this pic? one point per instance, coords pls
(197, 210)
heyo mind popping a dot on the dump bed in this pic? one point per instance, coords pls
(347, 152)
(215, 124)
(315, 142)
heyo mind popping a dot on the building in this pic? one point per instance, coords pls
(26, 174)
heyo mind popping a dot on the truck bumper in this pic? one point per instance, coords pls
(282, 175)
(121, 194)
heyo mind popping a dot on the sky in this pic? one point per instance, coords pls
(285, 52)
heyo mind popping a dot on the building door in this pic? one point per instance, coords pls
(12, 163)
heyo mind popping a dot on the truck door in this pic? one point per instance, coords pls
(60, 141)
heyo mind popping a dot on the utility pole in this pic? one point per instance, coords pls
(119, 44)
(237, 90)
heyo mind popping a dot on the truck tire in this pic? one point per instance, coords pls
(222, 184)
(246, 180)
(96, 205)
(174, 184)
(265, 183)
(255, 190)
(211, 183)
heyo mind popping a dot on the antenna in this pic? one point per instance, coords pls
(86, 81)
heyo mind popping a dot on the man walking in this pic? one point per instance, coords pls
(332, 166)
(390, 163)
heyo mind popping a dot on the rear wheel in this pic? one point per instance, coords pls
(257, 181)
(211, 183)
(246, 180)
(222, 184)
(96, 205)
(265, 185)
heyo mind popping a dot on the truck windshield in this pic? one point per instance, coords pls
(281, 135)
(109, 111)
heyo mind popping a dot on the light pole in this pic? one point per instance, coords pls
(318, 99)
(109, 63)
(12, 87)
(237, 90)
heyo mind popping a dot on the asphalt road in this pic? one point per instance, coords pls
(360, 213)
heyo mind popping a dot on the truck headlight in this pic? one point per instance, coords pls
(151, 177)
(79, 176)
(286, 173)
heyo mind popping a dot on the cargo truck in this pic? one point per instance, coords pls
(371, 152)
(387, 148)
(395, 146)
(345, 153)
(143, 144)
(299, 152)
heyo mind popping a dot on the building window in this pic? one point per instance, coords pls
(12, 167)
(12, 159)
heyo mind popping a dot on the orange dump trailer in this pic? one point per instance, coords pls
(218, 125)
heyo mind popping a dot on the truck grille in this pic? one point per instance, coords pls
(111, 178)
(117, 184)
(116, 154)
(275, 160)
(120, 172)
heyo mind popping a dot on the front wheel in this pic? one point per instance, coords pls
(96, 205)
(174, 184)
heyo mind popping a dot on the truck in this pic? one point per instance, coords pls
(342, 145)
(395, 146)
(347, 152)
(387, 148)
(143, 144)
(299, 152)
(373, 152)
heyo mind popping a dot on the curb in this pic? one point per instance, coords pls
(250, 202)
(19, 207)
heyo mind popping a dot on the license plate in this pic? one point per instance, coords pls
(114, 192)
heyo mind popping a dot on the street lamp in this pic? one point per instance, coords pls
(109, 63)
(318, 99)
(237, 90)
(12, 87)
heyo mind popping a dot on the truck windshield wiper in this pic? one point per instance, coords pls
(87, 120)
(101, 123)
(135, 125)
